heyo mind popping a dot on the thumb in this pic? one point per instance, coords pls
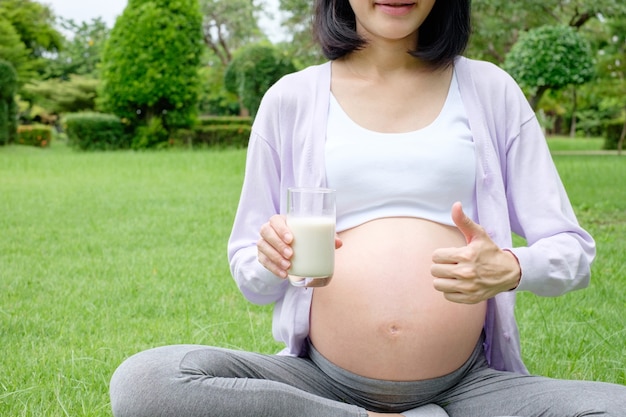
(466, 225)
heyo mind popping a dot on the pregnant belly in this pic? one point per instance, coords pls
(381, 317)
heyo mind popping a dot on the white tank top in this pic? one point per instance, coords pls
(414, 174)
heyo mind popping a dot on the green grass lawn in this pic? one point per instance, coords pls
(564, 143)
(106, 254)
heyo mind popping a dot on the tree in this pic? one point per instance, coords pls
(13, 50)
(229, 24)
(549, 57)
(497, 24)
(298, 22)
(253, 70)
(8, 109)
(150, 64)
(82, 50)
(215, 99)
(34, 23)
(56, 96)
(611, 87)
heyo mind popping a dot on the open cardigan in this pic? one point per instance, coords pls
(517, 190)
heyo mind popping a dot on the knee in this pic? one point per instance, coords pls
(143, 379)
(210, 362)
(126, 382)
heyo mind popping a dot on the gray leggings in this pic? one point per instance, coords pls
(195, 381)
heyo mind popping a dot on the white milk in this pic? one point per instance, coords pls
(313, 246)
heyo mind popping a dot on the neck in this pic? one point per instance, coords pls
(382, 62)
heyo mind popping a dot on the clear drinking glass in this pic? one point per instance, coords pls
(311, 218)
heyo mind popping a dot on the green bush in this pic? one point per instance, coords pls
(57, 96)
(224, 120)
(613, 133)
(150, 64)
(95, 131)
(153, 135)
(253, 70)
(34, 135)
(214, 98)
(549, 57)
(220, 136)
(8, 107)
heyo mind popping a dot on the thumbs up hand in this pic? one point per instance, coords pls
(477, 271)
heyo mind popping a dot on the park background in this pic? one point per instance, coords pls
(121, 161)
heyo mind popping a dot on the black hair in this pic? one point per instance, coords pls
(443, 35)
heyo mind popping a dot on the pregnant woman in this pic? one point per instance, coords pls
(436, 160)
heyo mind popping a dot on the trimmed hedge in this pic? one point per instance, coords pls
(613, 132)
(34, 135)
(227, 136)
(95, 131)
(215, 131)
(224, 120)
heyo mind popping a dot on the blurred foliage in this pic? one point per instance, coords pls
(214, 98)
(90, 131)
(8, 107)
(302, 47)
(58, 96)
(497, 24)
(150, 64)
(34, 24)
(229, 25)
(173, 58)
(549, 57)
(13, 50)
(253, 70)
(34, 135)
(82, 49)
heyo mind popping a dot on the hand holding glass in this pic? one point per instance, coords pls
(311, 219)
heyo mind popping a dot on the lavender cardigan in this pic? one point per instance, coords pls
(517, 190)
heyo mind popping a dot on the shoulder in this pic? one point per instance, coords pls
(302, 82)
(484, 75)
(492, 89)
(292, 102)
(295, 94)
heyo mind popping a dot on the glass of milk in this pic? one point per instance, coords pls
(311, 218)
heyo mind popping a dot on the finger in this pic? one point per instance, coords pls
(460, 271)
(271, 259)
(458, 291)
(274, 234)
(441, 271)
(446, 256)
(461, 298)
(465, 224)
(279, 224)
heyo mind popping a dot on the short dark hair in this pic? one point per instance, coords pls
(442, 37)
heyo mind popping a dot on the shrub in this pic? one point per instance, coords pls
(613, 133)
(227, 136)
(214, 98)
(8, 108)
(150, 136)
(34, 135)
(57, 96)
(150, 64)
(253, 70)
(95, 131)
(550, 57)
(224, 120)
